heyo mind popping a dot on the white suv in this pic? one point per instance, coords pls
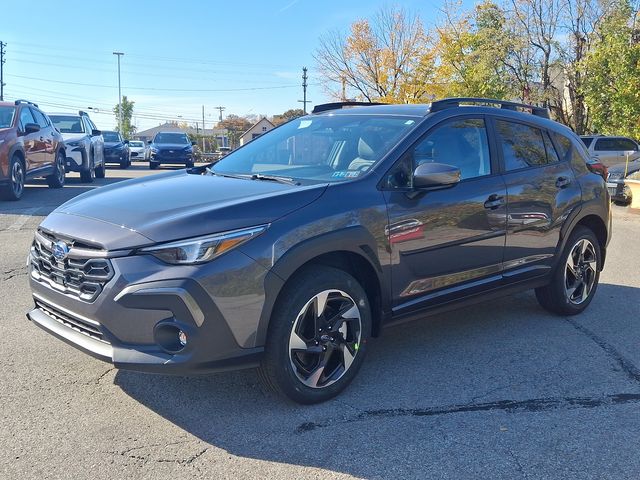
(611, 151)
(84, 142)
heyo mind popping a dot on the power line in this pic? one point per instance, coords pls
(156, 89)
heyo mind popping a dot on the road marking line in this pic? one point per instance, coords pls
(22, 219)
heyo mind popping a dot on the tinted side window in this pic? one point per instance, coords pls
(587, 141)
(26, 117)
(552, 155)
(522, 146)
(617, 144)
(462, 143)
(626, 144)
(40, 118)
(564, 146)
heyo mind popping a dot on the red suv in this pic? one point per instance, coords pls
(30, 147)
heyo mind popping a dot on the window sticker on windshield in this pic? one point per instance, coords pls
(345, 174)
(409, 122)
(304, 123)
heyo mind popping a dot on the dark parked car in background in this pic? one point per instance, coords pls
(294, 250)
(171, 148)
(116, 149)
(29, 147)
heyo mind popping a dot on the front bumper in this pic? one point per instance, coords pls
(618, 191)
(124, 324)
(76, 159)
(115, 156)
(177, 158)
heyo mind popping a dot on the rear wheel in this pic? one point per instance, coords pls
(575, 281)
(15, 188)
(57, 178)
(317, 336)
(89, 175)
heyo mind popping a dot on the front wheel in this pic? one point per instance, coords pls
(575, 280)
(89, 175)
(15, 187)
(317, 336)
(153, 165)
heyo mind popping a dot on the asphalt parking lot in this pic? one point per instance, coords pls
(498, 390)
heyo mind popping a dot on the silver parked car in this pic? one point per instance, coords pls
(611, 151)
(84, 144)
(136, 150)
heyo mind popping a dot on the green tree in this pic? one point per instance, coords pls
(612, 89)
(286, 116)
(236, 126)
(128, 128)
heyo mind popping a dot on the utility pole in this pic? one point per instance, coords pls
(221, 110)
(304, 100)
(119, 54)
(2, 60)
(204, 133)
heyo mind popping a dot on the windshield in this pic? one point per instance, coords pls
(6, 116)
(67, 123)
(324, 148)
(111, 136)
(171, 138)
(136, 144)
(587, 141)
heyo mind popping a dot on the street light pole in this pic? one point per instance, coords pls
(119, 54)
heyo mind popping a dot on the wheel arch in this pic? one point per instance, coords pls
(351, 250)
(596, 217)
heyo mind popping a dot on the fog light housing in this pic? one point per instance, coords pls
(171, 338)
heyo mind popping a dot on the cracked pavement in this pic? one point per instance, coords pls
(497, 390)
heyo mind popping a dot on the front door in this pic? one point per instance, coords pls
(541, 192)
(444, 242)
(33, 146)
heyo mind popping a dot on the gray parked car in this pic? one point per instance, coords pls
(611, 151)
(294, 250)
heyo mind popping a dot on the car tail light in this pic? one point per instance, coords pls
(600, 169)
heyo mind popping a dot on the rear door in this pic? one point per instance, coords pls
(450, 241)
(46, 138)
(541, 192)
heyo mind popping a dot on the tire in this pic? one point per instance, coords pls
(153, 165)
(123, 165)
(15, 188)
(189, 164)
(574, 282)
(89, 175)
(57, 178)
(301, 346)
(101, 171)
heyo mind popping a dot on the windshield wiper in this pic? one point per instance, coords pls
(254, 176)
(274, 178)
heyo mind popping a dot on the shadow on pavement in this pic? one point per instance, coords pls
(508, 356)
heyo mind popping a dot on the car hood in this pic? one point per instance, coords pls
(73, 137)
(113, 144)
(170, 146)
(180, 205)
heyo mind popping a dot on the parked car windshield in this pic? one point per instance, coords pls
(171, 138)
(67, 123)
(111, 136)
(324, 148)
(134, 143)
(6, 116)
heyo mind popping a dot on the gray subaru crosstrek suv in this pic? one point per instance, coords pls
(293, 251)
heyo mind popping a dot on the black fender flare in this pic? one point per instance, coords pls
(355, 239)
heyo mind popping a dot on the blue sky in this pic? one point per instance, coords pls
(246, 56)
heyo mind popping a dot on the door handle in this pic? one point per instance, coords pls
(494, 201)
(562, 182)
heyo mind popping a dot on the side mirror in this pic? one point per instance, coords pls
(429, 175)
(31, 128)
(95, 133)
(193, 144)
(149, 141)
(126, 142)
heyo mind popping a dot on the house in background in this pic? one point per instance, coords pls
(220, 134)
(261, 126)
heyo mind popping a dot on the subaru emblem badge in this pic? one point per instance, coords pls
(60, 251)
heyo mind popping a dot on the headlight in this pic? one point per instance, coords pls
(202, 249)
(153, 150)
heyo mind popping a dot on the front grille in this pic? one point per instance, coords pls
(612, 191)
(85, 326)
(80, 274)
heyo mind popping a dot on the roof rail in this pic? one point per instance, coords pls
(20, 100)
(446, 103)
(339, 105)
